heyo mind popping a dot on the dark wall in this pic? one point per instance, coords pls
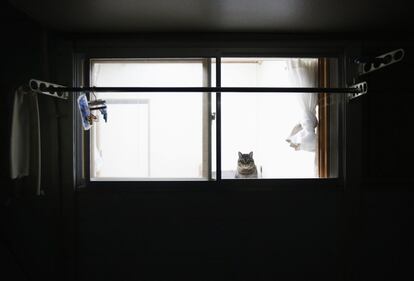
(31, 225)
(208, 235)
(357, 232)
(382, 239)
(22, 57)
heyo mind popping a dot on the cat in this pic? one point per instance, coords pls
(246, 168)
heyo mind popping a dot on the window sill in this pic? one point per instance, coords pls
(233, 185)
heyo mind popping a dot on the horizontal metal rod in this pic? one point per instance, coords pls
(203, 89)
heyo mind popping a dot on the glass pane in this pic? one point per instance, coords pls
(148, 135)
(116, 141)
(259, 125)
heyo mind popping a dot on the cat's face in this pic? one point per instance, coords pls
(246, 158)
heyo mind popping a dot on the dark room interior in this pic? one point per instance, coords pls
(58, 223)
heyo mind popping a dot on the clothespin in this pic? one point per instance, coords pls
(99, 105)
(86, 107)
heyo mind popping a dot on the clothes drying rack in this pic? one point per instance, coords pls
(362, 66)
(62, 92)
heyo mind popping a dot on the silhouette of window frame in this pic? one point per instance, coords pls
(82, 174)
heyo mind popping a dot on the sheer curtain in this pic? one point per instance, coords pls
(304, 73)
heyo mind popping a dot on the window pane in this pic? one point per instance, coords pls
(116, 141)
(262, 122)
(148, 135)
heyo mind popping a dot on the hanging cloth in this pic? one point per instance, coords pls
(25, 144)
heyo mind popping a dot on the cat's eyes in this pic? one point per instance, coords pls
(245, 158)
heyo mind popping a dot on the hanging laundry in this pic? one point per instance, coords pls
(25, 145)
(85, 109)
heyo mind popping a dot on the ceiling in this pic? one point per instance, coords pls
(282, 16)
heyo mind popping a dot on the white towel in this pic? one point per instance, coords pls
(25, 153)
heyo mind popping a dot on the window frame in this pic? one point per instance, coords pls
(206, 107)
(82, 70)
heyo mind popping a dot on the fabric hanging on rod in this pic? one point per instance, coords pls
(25, 143)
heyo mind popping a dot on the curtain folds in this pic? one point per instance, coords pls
(25, 139)
(304, 73)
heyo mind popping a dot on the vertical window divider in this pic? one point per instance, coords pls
(207, 119)
(218, 120)
(79, 155)
(86, 134)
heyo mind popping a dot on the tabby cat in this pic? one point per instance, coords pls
(245, 166)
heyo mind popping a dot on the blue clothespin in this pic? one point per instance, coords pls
(86, 107)
(84, 112)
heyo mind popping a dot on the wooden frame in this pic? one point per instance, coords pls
(323, 129)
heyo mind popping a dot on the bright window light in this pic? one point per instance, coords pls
(148, 135)
(168, 136)
(261, 122)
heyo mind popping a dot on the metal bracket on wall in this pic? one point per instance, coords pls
(42, 87)
(362, 90)
(367, 65)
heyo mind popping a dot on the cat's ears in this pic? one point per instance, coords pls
(250, 154)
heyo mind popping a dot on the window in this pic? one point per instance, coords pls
(149, 135)
(167, 136)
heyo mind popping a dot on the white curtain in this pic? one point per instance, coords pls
(304, 73)
(96, 130)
